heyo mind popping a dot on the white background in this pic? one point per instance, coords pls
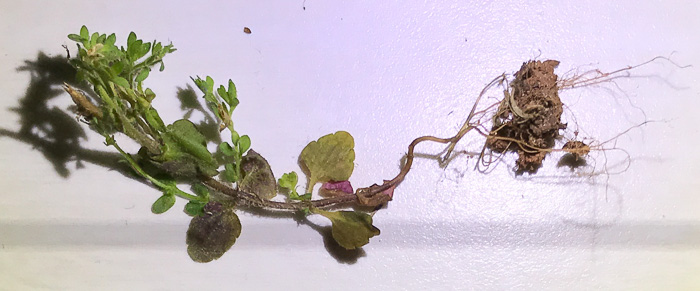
(387, 73)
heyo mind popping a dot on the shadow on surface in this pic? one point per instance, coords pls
(51, 130)
(669, 236)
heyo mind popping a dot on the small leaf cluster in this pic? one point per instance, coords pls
(289, 183)
(127, 67)
(117, 76)
(223, 101)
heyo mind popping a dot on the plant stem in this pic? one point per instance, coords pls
(254, 200)
(134, 165)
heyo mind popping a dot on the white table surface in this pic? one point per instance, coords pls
(386, 72)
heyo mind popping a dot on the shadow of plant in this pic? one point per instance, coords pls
(51, 130)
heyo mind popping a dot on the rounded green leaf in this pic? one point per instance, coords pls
(200, 190)
(351, 229)
(235, 137)
(163, 204)
(75, 37)
(226, 149)
(143, 74)
(131, 38)
(194, 208)
(289, 181)
(331, 158)
(244, 143)
(84, 33)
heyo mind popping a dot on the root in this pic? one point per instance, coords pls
(596, 76)
(527, 121)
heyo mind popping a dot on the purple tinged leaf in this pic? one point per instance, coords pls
(212, 233)
(333, 188)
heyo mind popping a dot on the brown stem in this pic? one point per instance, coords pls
(254, 200)
(466, 127)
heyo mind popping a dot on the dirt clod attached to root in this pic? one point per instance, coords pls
(529, 117)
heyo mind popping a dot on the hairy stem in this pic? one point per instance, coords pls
(134, 165)
(254, 200)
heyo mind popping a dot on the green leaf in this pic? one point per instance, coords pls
(244, 143)
(200, 190)
(157, 48)
(330, 158)
(111, 39)
(163, 203)
(84, 33)
(194, 208)
(117, 68)
(134, 50)
(201, 84)
(235, 137)
(210, 84)
(229, 173)
(305, 197)
(131, 39)
(226, 149)
(187, 138)
(234, 103)
(232, 93)
(149, 94)
(75, 37)
(143, 75)
(185, 150)
(121, 82)
(162, 66)
(257, 176)
(351, 229)
(145, 48)
(154, 120)
(213, 233)
(93, 38)
(289, 181)
(222, 92)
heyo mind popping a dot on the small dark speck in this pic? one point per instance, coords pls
(341, 18)
(466, 40)
(247, 30)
